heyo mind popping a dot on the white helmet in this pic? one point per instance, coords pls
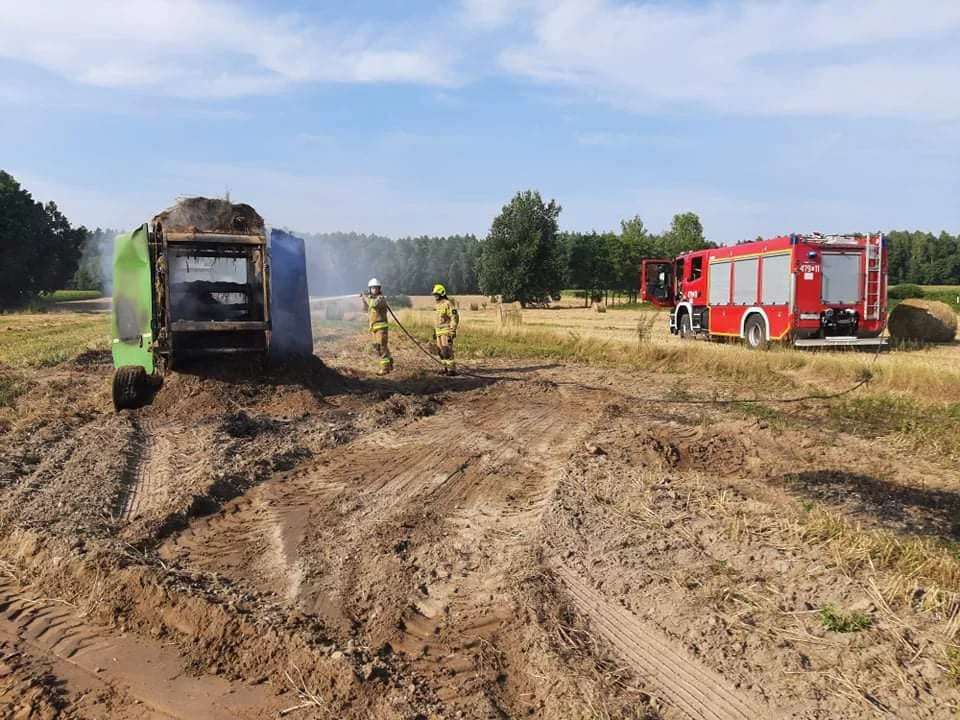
(373, 283)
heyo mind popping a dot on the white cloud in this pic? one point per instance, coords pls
(489, 13)
(744, 56)
(205, 48)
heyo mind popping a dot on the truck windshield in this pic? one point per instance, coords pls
(841, 278)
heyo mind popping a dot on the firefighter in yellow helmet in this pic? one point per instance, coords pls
(376, 306)
(445, 328)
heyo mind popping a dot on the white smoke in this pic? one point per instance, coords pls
(95, 267)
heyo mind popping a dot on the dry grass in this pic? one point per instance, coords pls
(910, 402)
(920, 572)
(44, 339)
(12, 386)
(953, 664)
(581, 334)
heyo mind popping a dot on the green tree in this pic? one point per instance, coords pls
(637, 245)
(685, 233)
(587, 262)
(39, 249)
(521, 258)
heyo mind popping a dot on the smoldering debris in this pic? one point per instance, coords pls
(200, 214)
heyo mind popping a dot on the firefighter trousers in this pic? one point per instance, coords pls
(445, 347)
(381, 346)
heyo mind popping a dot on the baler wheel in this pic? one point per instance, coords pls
(129, 387)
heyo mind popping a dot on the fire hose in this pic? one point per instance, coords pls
(866, 376)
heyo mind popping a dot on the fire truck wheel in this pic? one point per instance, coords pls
(755, 332)
(686, 328)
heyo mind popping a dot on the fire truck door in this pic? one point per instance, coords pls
(656, 285)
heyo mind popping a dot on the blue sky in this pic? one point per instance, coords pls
(397, 118)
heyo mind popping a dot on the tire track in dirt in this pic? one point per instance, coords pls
(451, 625)
(162, 456)
(407, 535)
(256, 537)
(149, 468)
(697, 691)
(89, 658)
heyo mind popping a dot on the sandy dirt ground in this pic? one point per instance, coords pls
(529, 541)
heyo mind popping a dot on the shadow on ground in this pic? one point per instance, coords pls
(913, 510)
(312, 374)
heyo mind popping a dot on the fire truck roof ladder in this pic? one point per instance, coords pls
(873, 281)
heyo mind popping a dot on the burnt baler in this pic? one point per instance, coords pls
(196, 282)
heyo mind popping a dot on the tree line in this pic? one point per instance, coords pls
(526, 255)
(39, 249)
(922, 258)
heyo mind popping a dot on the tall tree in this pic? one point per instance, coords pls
(685, 233)
(521, 258)
(587, 261)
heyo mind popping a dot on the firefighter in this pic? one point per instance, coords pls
(376, 306)
(445, 329)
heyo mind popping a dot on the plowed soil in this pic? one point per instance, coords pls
(529, 541)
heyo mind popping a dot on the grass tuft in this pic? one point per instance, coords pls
(953, 664)
(835, 621)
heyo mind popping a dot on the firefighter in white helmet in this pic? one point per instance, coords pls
(445, 329)
(376, 306)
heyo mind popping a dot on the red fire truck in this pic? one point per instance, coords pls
(808, 290)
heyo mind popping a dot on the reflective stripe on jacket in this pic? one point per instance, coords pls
(377, 307)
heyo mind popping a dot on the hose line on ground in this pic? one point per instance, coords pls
(412, 338)
(865, 378)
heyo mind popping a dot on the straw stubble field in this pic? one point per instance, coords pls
(595, 521)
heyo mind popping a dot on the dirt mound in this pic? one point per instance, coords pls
(923, 321)
(200, 214)
(672, 445)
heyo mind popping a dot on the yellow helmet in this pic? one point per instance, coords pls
(439, 289)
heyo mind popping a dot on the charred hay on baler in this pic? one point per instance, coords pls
(210, 215)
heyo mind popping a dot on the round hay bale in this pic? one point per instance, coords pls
(923, 321)
(600, 307)
(474, 307)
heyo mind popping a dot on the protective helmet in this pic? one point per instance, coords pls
(373, 283)
(439, 289)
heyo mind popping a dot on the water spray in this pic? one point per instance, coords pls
(332, 298)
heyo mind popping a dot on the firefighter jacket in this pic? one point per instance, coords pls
(377, 311)
(448, 317)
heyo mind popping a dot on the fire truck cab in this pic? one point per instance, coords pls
(809, 290)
